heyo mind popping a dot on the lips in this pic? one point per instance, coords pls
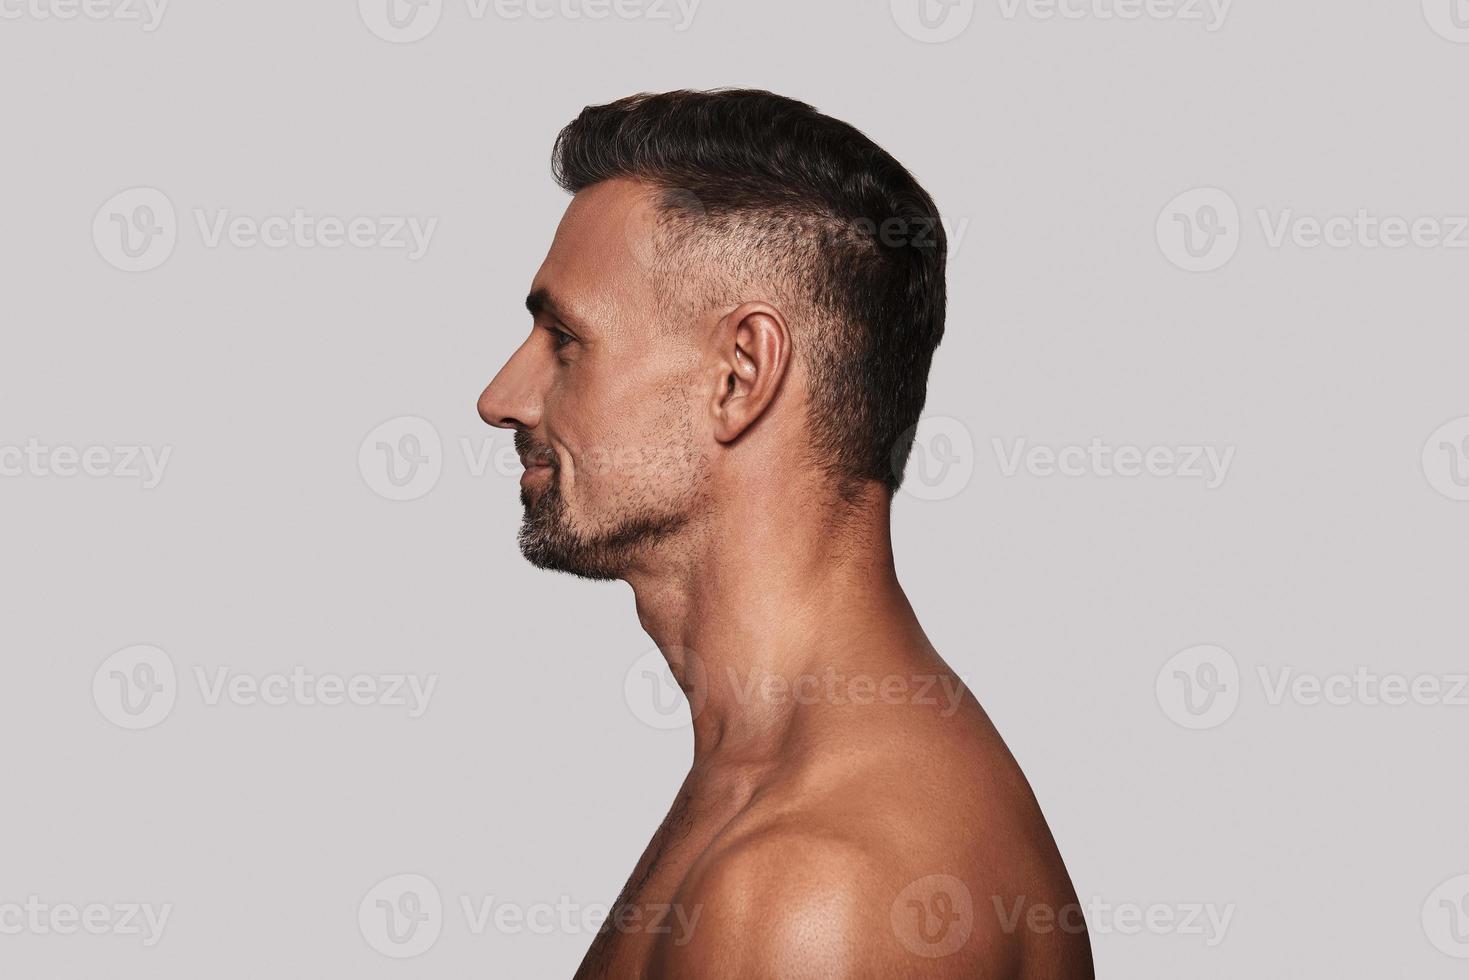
(535, 458)
(534, 469)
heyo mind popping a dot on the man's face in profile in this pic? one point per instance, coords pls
(603, 394)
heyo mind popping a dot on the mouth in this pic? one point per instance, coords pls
(534, 472)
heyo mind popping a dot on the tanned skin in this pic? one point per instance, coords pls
(850, 810)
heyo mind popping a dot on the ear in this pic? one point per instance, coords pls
(754, 350)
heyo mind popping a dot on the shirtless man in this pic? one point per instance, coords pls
(730, 348)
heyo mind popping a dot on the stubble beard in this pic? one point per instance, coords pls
(549, 540)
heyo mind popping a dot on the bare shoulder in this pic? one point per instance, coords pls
(793, 904)
(877, 865)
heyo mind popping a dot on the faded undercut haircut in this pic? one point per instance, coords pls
(771, 192)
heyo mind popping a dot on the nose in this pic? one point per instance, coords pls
(513, 399)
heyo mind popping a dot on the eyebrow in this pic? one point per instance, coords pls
(539, 301)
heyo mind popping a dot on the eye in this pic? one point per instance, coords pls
(559, 338)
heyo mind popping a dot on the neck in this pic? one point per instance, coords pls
(765, 606)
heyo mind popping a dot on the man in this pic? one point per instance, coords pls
(730, 349)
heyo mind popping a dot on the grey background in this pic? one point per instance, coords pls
(531, 777)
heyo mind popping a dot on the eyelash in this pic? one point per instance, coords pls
(559, 338)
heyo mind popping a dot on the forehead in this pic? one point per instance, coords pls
(597, 269)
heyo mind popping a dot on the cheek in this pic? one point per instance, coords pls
(625, 429)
